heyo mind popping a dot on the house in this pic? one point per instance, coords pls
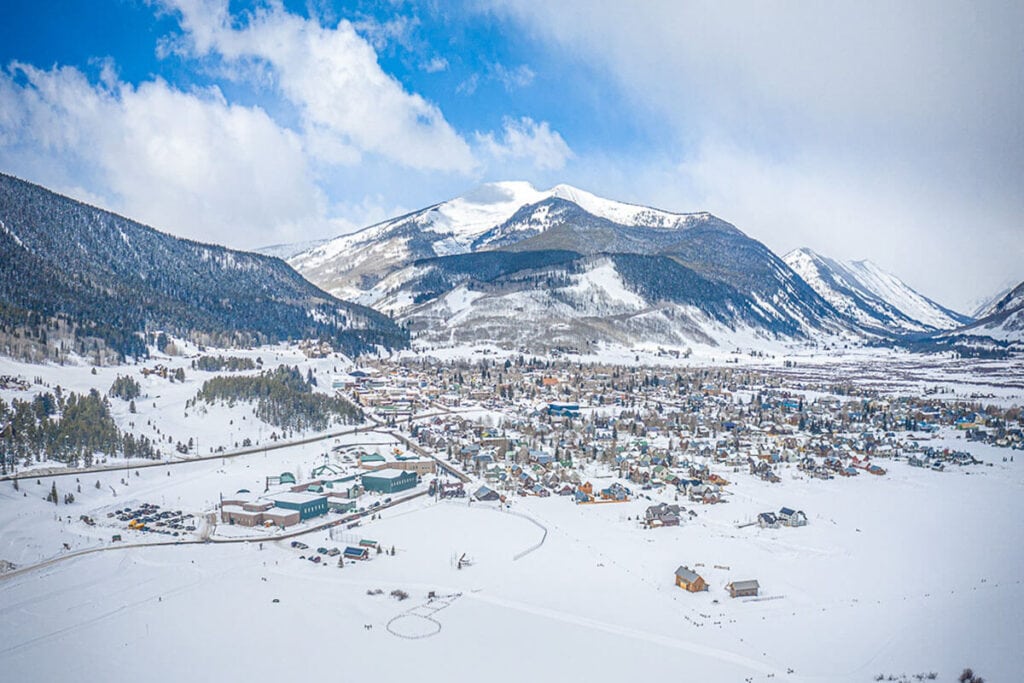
(615, 492)
(539, 490)
(768, 520)
(485, 493)
(743, 589)
(689, 580)
(354, 553)
(662, 514)
(791, 517)
(564, 409)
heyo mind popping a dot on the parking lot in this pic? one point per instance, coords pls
(149, 518)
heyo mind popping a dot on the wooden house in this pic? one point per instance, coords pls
(689, 580)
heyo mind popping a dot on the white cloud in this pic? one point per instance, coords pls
(380, 34)
(332, 76)
(336, 144)
(525, 139)
(186, 162)
(867, 129)
(513, 78)
(434, 65)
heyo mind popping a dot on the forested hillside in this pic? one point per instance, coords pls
(76, 278)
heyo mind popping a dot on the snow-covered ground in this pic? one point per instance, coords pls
(913, 572)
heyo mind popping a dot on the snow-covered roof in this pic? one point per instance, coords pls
(296, 498)
(387, 473)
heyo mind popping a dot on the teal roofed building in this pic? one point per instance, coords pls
(307, 504)
(389, 480)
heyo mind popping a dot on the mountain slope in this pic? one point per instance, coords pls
(111, 278)
(454, 269)
(871, 297)
(286, 251)
(1003, 320)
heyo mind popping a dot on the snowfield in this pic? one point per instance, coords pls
(913, 572)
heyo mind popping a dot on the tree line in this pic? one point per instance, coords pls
(68, 428)
(283, 398)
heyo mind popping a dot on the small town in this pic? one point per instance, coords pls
(495, 433)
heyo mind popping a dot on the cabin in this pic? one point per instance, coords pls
(689, 580)
(743, 589)
(768, 520)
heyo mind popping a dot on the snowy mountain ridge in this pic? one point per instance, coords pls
(509, 262)
(453, 226)
(870, 296)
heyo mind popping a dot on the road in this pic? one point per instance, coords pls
(186, 461)
(377, 426)
(347, 519)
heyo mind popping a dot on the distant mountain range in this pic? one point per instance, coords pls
(506, 264)
(874, 299)
(104, 279)
(511, 264)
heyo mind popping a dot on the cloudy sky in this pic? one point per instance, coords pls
(891, 131)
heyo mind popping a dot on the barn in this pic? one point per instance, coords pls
(743, 589)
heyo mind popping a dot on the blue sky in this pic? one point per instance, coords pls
(860, 129)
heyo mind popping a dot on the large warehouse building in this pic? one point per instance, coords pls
(389, 480)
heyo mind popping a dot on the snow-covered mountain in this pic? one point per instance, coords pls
(871, 297)
(982, 305)
(1005, 300)
(510, 263)
(286, 251)
(1003, 320)
(489, 216)
(108, 280)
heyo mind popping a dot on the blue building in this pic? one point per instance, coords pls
(308, 504)
(564, 409)
(389, 480)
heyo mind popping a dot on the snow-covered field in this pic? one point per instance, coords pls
(913, 572)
